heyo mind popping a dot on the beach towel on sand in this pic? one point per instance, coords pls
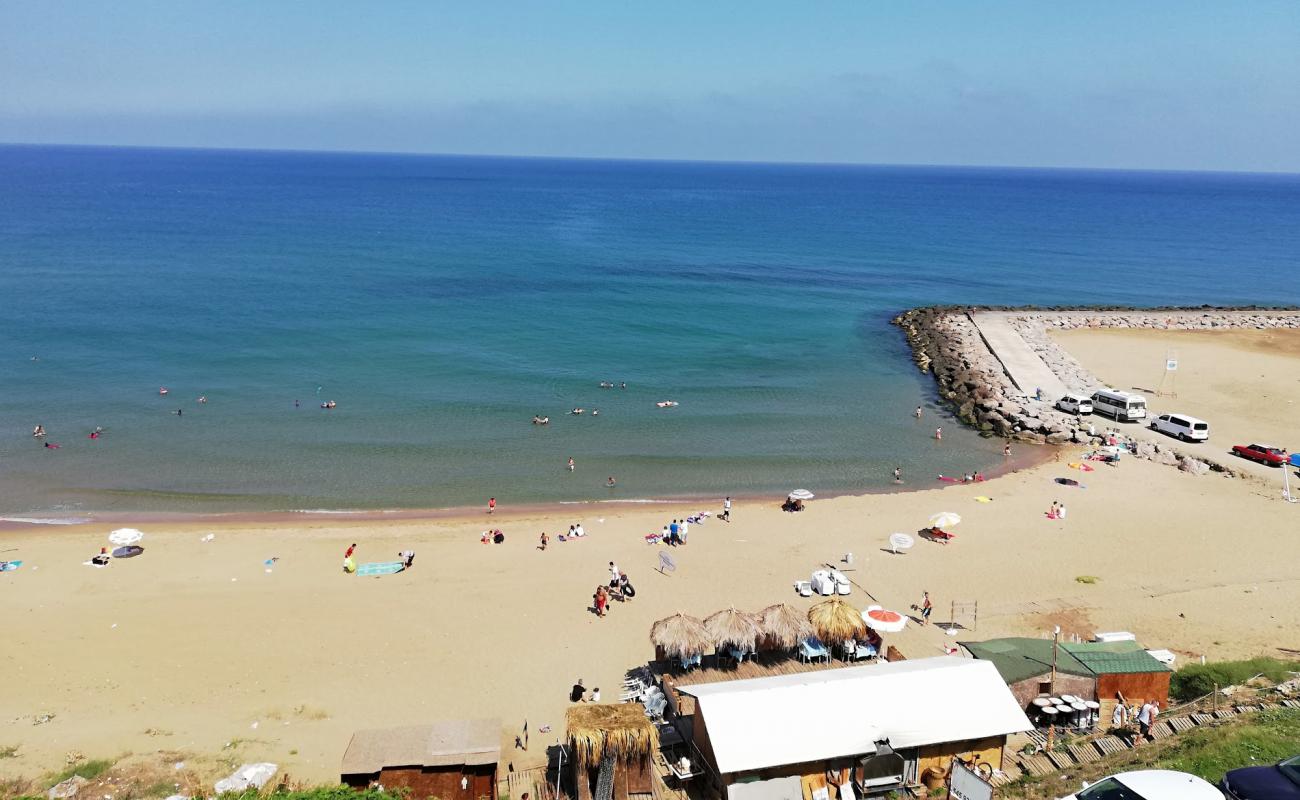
(381, 568)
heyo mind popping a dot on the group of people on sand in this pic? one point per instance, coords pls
(1057, 511)
(619, 588)
(406, 557)
(675, 533)
(576, 531)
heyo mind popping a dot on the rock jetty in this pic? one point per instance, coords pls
(946, 343)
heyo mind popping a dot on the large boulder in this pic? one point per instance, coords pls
(1058, 437)
(1167, 457)
(1030, 436)
(1145, 450)
(68, 788)
(1194, 467)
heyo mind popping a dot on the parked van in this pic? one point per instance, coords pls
(1120, 406)
(1189, 429)
(1075, 404)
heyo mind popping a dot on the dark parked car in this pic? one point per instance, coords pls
(1278, 782)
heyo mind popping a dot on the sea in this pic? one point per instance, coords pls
(441, 302)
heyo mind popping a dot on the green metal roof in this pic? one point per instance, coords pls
(1114, 658)
(1020, 658)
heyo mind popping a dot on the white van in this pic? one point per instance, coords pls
(1120, 406)
(1181, 426)
(1075, 404)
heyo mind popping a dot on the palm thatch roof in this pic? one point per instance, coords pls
(836, 621)
(680, 635)
(731, 627)
(783, 626)
(622, 730)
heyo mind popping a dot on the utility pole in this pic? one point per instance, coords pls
(1051, 728)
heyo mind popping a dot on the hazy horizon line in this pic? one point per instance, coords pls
(647, 159)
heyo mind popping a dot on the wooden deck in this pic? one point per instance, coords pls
(765, 666)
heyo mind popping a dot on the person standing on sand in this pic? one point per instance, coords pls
(726, 509)
(683, 530)
(492, 504)
(926, 608)
(602, 600)
(544, 540)
(1060, 510)
(351, 549)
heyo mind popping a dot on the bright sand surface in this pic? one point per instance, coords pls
(1245, 383)
(179, 652)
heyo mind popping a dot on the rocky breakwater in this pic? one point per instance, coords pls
(946, 343)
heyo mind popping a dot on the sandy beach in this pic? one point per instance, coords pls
(199, 651)
(1243, 382)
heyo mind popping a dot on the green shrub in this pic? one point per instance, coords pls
(1198, 680)
(86, 769)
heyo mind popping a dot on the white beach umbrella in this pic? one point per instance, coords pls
(945, 519)
(801, 494)
(900, 541)
(884, 620)
(125, 536)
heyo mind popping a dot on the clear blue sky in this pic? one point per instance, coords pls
(1197, 84)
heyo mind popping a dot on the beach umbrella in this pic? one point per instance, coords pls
(900, 541)
(945, 519)
(783, 626)
(883, 620)
(680, 635)
(125, 536)
(801, 494)
(836, 621)
(732, 627)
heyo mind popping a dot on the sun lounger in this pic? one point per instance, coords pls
(811, 649)
(691, 661)
(739, 655)
(865, 650)
(804, 588)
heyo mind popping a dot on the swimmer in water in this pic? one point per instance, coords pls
(918, 412)
(610, 481)
(202, 399)
(94, 435)
(570, 463)
(295, 403)
(51, 446)
(180, 412)
(595, 411)
(162, 390)
(38, 431)
(622, 386)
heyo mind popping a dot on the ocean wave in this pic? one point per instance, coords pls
(335, 511)
(48, 520)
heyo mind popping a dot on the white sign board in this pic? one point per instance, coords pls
(966, 784)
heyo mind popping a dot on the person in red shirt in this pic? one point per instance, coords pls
(492, 504)
(350, 551)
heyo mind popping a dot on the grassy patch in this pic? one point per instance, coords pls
(1268, 738)
(1249, 740)
(1088, 579)
(10, 751)
(86, 769)
(1198, 680)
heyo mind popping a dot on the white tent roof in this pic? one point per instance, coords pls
(811, 716)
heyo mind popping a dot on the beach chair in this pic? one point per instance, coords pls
(865, 650)
(811, 649)
(688, 662)
(655, 707)
(940, 535)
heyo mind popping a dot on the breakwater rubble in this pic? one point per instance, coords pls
(946, 342)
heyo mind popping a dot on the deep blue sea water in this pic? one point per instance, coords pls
(442, 301)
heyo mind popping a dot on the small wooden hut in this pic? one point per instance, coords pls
(452, 760)
(612, 749)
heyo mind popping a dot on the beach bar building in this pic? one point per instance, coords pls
(452, 760)
(611, 750)
(877, 727)
(1102, 671)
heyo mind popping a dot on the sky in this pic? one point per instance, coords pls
(1189, 84)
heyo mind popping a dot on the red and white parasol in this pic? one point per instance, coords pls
(883, 620)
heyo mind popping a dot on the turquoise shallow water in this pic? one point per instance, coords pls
(443, 301)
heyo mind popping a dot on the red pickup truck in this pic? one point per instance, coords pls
(1273, 456)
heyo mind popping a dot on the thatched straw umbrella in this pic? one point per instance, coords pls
(621, 731)
(783, 627)
(681, 635)
(836, 621)
(730, 627)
